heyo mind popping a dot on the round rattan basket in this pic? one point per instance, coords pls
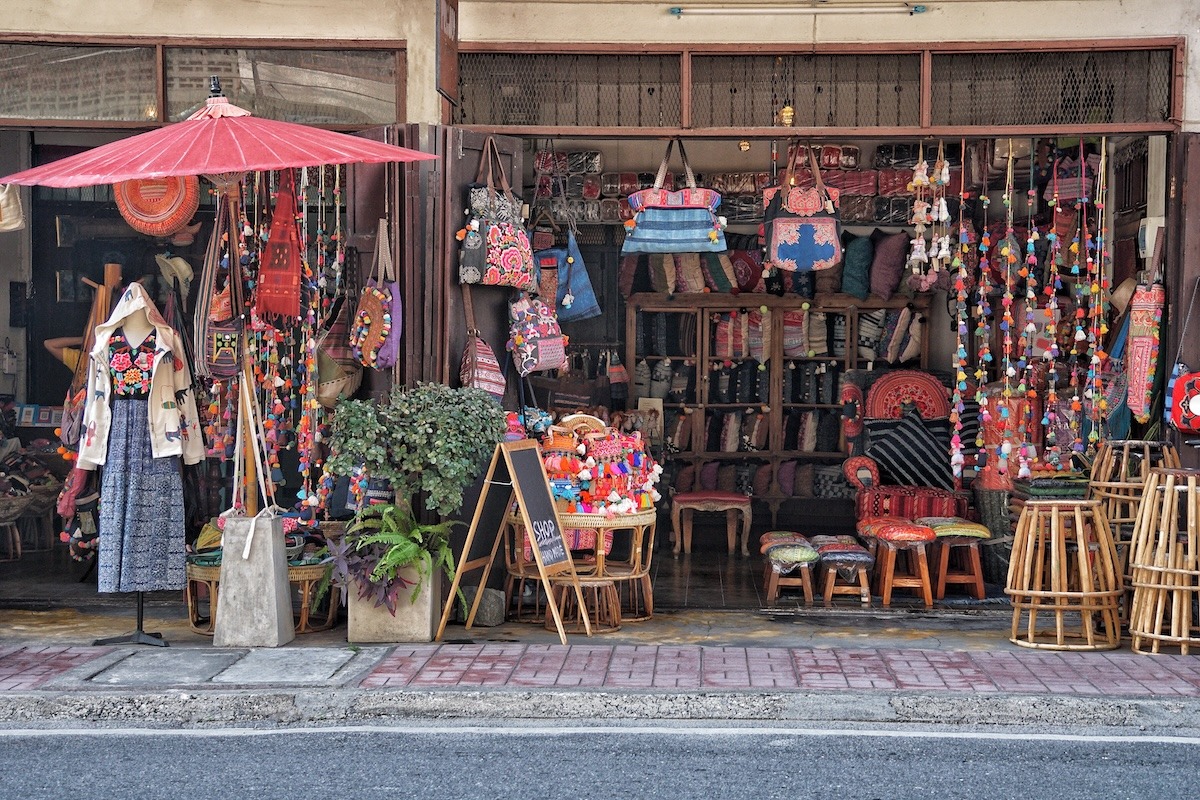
(12, 507)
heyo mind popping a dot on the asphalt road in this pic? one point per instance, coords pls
(520, 760)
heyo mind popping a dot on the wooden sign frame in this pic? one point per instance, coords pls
(546, 539)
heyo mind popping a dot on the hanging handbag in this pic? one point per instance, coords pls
(375, 335)
(495, 249)
(800, 225)
(480, 369)
(339, 373)
(536, 342)
(218, 317)
(1183, 391)
(575, 299)
(683, 221)
(11, 216)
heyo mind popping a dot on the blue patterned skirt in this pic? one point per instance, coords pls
(141, 508)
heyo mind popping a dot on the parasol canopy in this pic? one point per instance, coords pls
(220, 138)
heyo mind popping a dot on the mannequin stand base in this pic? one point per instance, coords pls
(137, 637)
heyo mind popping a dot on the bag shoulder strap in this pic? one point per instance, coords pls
(661, 177)
(816, 171)
(384, 270)
(469, 308)
(1186, 319)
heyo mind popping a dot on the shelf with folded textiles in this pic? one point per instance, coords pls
(748, 408)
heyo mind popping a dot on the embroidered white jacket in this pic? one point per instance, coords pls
(171, 405)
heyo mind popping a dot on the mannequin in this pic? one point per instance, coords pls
(139, 423)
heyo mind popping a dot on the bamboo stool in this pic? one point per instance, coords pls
(1117, 477)
(313, 616)
(1064, 565)
(1166, 564)
(601, 601)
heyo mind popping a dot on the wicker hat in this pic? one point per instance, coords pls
(158, 206)
(176, 268)
(1122, 294)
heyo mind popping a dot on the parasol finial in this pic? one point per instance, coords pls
(214, 86)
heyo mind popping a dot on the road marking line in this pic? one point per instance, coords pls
(545, 730)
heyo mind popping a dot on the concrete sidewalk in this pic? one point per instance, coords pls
(941, 667)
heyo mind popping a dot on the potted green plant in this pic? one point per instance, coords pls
(429, 442)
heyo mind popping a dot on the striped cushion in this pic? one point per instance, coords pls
(912, 455)
(841, 550)
(788, 554)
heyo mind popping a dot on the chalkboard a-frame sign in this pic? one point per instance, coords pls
(517, 472)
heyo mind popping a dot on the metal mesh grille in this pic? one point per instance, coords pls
(569, 90)
(1095, 88)
(825, 90)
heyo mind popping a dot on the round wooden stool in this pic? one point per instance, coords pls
(601, 601)
(1064, 567)
(1166, 564)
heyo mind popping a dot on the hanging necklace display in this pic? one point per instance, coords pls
(1025, 363)
(1079, 255)
(1098, 282)
(1008, 254)
(1050, 353)
(958, 405)
(983, 328)
(918, 257)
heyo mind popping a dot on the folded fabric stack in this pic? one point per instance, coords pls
(1062, 485)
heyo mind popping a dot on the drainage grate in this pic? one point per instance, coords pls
(551, 89)
(846, 91)
(1085, 88)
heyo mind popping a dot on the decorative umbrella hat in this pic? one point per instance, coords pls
(220, 141)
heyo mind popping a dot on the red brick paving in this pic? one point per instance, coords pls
(30, 667)
(697, 668)
(684, 668)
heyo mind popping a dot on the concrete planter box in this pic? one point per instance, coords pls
(413, 622)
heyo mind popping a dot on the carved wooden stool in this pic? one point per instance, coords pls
(788, 560)
(844, 567)
(684, 505)
(901, 560)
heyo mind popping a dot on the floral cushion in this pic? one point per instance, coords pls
(895, 529)
(577, 539)
(955, 526)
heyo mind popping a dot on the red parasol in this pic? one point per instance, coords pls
(218, 139)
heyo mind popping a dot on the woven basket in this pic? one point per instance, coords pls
(994, 513)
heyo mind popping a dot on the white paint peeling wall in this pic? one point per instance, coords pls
(410, 20)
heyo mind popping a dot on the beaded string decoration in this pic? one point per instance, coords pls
(1099, 270)
(983, 328)
(1079, 254)
(1026, 360)
(918, 257)
(1009, 258)
(961, 315)
(1050, 354)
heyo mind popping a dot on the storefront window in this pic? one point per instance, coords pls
(51, 82)
(315, 87)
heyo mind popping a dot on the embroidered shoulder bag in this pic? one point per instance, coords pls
(683, 221)
(375, 336)
(800, 226)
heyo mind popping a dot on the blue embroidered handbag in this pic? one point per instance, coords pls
(683, 221)
(800, 226)
(575, 299)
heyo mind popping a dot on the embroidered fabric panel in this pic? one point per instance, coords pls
(131, 367)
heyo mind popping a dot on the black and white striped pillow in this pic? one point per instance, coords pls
(912, 455)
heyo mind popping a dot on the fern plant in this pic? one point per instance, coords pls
(382, 541)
